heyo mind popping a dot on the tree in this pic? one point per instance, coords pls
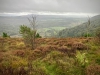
(5, 35)
(37, 35)
(85, 35)
(29, 33)
(88, 26)
(33, 25)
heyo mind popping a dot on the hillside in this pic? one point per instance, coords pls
(82, 29)
(52, 56)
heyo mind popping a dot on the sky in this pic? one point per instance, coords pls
(64, 7)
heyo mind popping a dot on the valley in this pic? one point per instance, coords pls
(10, 24)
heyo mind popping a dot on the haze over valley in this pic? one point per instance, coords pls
(11, 24)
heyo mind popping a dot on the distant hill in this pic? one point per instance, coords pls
(10, 24)
(81, 29)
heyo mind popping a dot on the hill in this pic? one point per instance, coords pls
(81, 30)
(52, 56)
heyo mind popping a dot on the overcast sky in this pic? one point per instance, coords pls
(59, 6)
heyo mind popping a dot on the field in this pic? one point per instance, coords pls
(51, 56)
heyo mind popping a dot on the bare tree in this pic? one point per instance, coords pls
(33, 22)
(88, 27)
(33, 25)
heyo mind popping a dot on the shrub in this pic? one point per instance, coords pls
(37, 35)
(13, 65)
(93, 69)
(3, 45)
(5, 35)
(20, 53)
(98, 35)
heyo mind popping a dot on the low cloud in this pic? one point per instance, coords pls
(76, 6)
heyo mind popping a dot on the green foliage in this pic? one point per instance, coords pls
(52, 64)
(38, 35)
(81, 58)
(87, 35)
(80, 64)
(5, 35)
(98, 60)
(28, 35)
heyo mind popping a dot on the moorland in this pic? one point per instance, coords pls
(51, 56)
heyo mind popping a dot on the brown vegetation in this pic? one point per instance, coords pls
(93, 69)
(17, 59)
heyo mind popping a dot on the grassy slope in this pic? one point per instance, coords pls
(82, 29)
(52, 56)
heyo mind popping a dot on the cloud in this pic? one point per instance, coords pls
(77, 6)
